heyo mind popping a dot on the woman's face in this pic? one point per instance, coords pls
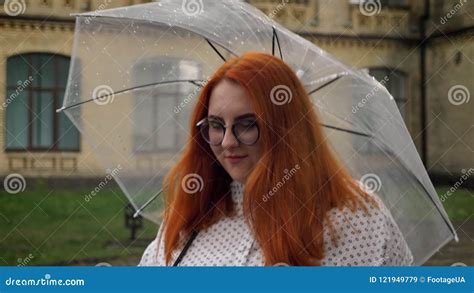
(228, 103)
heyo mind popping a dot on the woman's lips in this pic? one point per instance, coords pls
(235, 159)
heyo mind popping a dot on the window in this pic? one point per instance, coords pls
(394, 82)
(35, 89)
(156, 125)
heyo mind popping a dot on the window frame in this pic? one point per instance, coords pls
(32, 90)
(176, 99)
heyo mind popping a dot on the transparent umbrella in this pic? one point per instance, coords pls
(135, 73)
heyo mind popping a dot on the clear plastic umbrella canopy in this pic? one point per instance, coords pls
(136, 71)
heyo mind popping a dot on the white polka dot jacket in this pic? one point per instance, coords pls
(372, 239)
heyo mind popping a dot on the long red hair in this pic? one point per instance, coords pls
(287, 216)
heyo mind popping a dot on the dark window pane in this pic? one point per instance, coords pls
(17, 120)
(63, 71)
(17, 71)
(42, 124)
(68, 133)
(46, 70)
(35, 63)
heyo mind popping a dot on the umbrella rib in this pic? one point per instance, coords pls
(275, 36)
(347, 130)
(140, 209)
(324, 85)
(192, 81)
(215, 50)
(273, 42)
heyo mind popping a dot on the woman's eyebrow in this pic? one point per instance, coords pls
(246, 115)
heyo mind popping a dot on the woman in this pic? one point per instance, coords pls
(271, 190)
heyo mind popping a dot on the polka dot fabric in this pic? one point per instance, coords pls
(362, 240)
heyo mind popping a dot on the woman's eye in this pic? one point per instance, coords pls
(215, 125)
(247, 124)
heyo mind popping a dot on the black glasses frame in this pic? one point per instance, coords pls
(205, 120)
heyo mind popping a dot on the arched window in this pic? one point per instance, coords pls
(35, 89)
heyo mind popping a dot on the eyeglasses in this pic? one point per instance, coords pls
(246, 131)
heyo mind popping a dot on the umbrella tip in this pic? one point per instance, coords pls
(136, 214)
(60, 109)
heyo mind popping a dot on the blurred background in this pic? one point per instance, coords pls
(58, 206)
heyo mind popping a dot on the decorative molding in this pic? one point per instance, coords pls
(51, 163)
(35, 23)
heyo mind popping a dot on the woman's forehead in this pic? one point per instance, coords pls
(228, 100)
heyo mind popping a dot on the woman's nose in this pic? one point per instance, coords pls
(229, 140)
